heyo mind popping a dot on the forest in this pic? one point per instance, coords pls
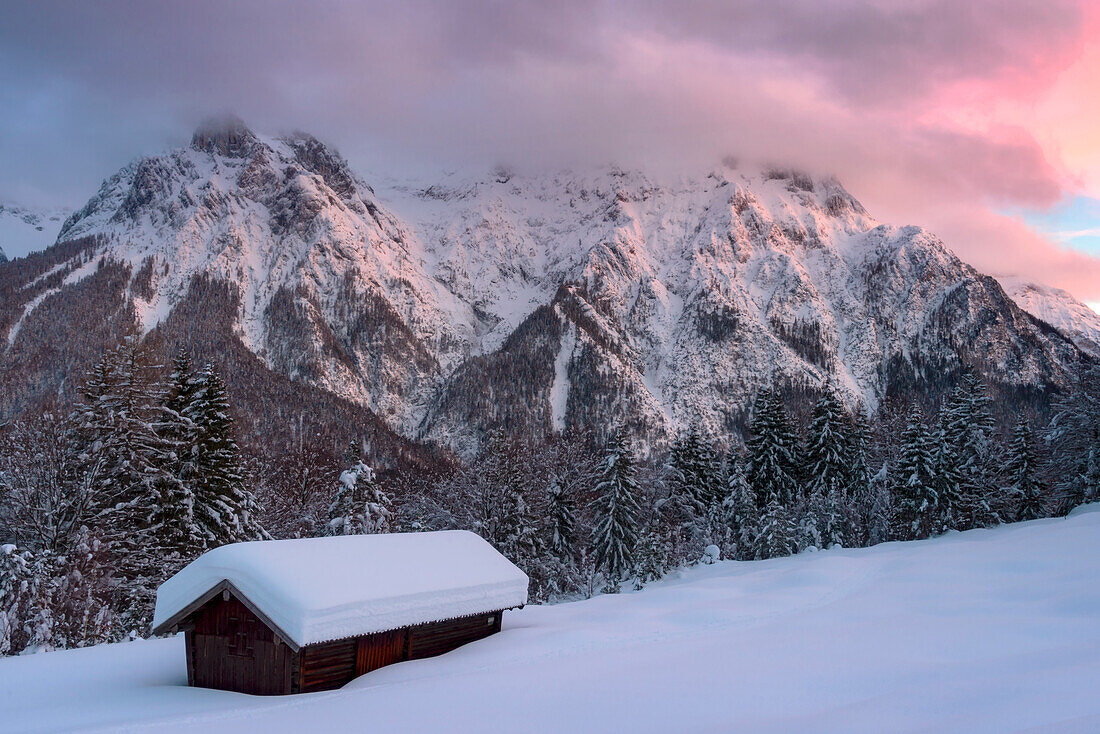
(102, 501)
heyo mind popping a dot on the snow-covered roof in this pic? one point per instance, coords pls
(318, 589)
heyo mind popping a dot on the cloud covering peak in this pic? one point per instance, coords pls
(935, 112)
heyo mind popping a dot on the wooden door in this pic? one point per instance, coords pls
(383, 648)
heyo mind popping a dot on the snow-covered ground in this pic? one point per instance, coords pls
(984, 631)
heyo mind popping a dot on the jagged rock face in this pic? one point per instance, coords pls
(331, 288)
(228, 137)
(540, 303)
(682, 298)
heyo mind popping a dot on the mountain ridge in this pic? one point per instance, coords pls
(541, 303)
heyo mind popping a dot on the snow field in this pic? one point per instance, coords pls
(984, 631)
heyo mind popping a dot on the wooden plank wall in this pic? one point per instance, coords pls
(332, 664)
(328, 665)
(436, 638)
(231, 649)
(381, 649)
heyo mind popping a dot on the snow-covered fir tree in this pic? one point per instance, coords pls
(616, 513)
(858, 472)
(1020, 471)
(880, 512)
(563, 523)
(516, 524)
(778, 534)
(18, 588)
(118, 446)
(225, 510)
(772, 468)
(1091, 479)
(829, 455)
(950, 504)
(360, 506)
(740, 513)
(915, 496)
(691, 476)
(1073, 437)
(969, 455)
(829, 474)
(860, 498)
(182, 534)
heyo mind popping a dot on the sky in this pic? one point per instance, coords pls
(974, 119)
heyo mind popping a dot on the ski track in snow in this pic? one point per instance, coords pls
(984, 631)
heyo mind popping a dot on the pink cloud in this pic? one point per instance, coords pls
(931, 111)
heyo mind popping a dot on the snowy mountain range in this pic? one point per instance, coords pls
(529, 303)
(26, 229)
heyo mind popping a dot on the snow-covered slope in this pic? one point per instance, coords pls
(26, 229)
(545, 302)
(983, 631)
(1059, 309)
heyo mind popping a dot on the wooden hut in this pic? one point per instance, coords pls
(293, 616)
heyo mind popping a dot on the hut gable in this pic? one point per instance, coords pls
(314, 590)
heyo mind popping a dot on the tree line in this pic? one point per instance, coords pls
(101, 503)
(580, 519)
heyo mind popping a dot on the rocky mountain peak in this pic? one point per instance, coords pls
(226, 135)
(547, 301)
(319, 158)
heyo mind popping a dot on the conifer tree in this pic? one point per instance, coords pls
(739, 512)
(809, 520)
(880, 514)
(970, 453)
(828, 469)
(224, 509)
(915, 504)
(115, 439)
(1073, 436)
(858, 474)
(950, 504)
(860, 494)
(18, 588)
(1091, 478)
(693, 481)
(360, 507)
(563, 523)
(182, 535)
(685, 505)
(616, 513)
(771, 443)
(778, 532)
(1020, 469)
(829, 451)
